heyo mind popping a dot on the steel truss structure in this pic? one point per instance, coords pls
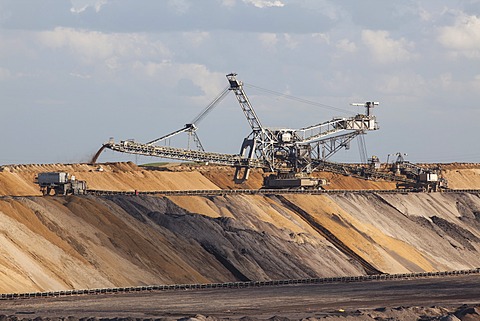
(275, 150)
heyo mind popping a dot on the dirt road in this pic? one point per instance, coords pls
(295, 302)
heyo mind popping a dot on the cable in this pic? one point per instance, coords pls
(301, 100)
(210, 106)
(191, 126)
(362, 147)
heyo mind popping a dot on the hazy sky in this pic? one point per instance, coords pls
(75, 73)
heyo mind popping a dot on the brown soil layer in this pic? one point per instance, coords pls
(54, 243)
(18, 180)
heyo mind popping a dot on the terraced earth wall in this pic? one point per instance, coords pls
(82, 242)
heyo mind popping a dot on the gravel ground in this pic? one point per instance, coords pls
(419, 299)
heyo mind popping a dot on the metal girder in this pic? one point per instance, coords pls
(165, 137)
(317, 132)
(260, 140)
(326, 148)
(237, 87)
(295, 149)
(359, 172)
(276, 150)
(192, 126)
(181, 154)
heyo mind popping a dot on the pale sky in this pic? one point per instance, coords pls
(74, 73)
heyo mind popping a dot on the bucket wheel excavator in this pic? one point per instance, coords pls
(289, 155)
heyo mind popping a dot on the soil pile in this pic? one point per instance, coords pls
(54, 243)
(18, 180)
(462, 176)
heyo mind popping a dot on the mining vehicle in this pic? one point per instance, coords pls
(61, 183)
(289, 155)
(426, 179)
(300, 181)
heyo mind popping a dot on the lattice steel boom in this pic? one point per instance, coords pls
(281, 150)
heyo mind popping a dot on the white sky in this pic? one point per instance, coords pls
(74, 73)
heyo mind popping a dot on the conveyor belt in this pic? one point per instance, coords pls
(238, 285)
(223, 192)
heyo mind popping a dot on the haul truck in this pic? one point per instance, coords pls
(61, 183)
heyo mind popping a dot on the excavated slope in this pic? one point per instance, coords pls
(19, 179)
(462, 176)
(53, 243)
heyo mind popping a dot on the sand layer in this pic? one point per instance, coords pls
(54, 243)
(18, 180)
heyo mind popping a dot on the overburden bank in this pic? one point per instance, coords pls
(55, 243)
